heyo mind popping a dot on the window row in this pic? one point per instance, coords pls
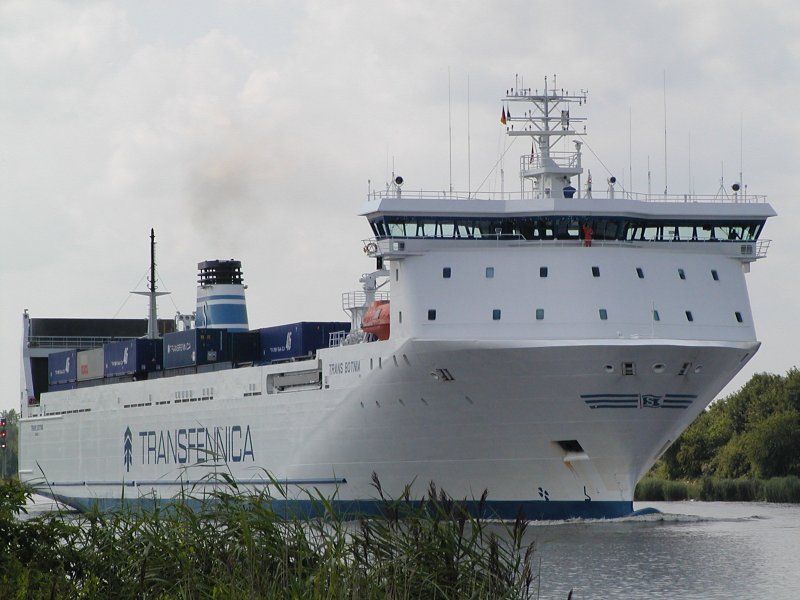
(565, 228)
(602, 313)
(447, 273)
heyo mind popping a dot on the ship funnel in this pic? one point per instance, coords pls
(220, 296)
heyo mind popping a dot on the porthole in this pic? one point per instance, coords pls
(698, 368)
(609, 368)
(659, 368)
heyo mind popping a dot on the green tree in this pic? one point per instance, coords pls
(9, 455)
(773, 446)
(754, 432)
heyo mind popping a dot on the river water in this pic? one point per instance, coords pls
(694, 550)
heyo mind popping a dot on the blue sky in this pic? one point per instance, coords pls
(250, 129)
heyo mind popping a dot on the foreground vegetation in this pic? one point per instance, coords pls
(236, 546)
(744, 447)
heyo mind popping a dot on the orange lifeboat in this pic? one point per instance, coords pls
(376, 319)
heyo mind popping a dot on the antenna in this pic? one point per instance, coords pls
(630, 149)
(665, 132)
(450, 129)
(741, 153)
(469, 150)
(151, 293)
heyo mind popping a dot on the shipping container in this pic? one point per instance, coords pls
(297, 340)
(62, 367)
(60, 387)
(195, 347)
(90, 364)
(133, 357)
(244, 347)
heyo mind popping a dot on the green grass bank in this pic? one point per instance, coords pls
(776, 489)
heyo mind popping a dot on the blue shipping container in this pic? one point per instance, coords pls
(296, 340)
(195, 347)
(132, 357)
(244, 347)
(60, 387)
(62, 367)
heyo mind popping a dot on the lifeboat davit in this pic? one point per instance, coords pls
(376, 319)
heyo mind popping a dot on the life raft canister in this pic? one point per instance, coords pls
(376, 319)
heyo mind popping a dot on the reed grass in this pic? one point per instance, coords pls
(234, 545)
(777, 489)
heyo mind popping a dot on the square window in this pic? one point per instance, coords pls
(595, 271)
(738, 316)
(714, 275)
(689, 316)
(496, 314)
(431, 314)
(681, 274)
(640, 272)
(542, 271)
(539, 314)
(603, 314)
(446, 272)
(656, 316)
(489, 272)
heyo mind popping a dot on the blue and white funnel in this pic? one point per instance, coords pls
(220, 296)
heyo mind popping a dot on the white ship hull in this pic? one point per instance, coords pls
(494, 425)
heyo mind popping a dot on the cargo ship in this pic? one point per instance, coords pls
(545, 344)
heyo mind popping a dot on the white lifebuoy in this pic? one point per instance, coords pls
(371, 248)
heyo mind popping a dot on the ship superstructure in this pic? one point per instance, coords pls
(546, 344)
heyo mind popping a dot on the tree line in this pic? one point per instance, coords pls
(753, 433)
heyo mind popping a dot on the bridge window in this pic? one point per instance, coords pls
(539, 314)
(489, 272)
(595, 271)
(431, 314)
(603, 314)
(640, 272)
(738, 316)
(656, 316)
(542, 271)
(446, 272)
(681, 274)
(496, 314)
(689, 316)
(714, 275)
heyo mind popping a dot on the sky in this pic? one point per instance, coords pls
(253, 129)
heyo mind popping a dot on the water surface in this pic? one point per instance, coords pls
(694, 550)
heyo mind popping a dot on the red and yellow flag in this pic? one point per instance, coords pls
(503, 116)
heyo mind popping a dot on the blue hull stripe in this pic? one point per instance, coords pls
(532, 510)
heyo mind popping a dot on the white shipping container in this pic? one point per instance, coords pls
(90, 364)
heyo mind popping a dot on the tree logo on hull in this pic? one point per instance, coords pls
(128, 450)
